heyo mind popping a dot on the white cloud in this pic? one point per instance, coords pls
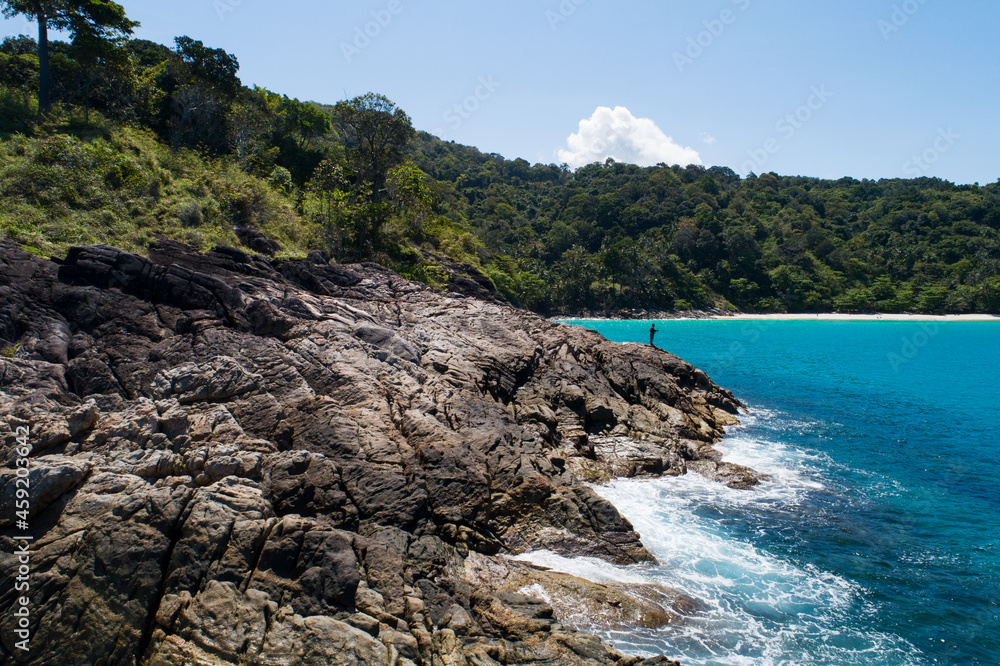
(616, 133)
(708, 138)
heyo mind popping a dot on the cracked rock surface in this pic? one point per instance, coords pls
(238, 460)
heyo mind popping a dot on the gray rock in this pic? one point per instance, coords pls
(244, 461)
(220, 378)
(46, 481)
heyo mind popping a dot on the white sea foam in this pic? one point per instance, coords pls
(763, 609)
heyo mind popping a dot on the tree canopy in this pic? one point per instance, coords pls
(212, 69)
(380, 133)
(614, 235)
(88, 20)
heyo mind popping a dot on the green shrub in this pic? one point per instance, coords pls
(189, 213)
(281, 179)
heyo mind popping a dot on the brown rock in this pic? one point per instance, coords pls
(244, 461)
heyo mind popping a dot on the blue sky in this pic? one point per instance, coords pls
(862, 88)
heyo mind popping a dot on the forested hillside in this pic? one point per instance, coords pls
(142, 139)
(617, 235)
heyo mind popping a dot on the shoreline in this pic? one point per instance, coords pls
(837, 316)
(827, 316)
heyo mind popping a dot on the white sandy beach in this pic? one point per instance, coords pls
(827, 316)
(836, 316)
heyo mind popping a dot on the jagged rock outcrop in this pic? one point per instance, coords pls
(238, 460)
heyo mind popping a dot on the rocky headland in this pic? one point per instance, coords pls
(236, 460)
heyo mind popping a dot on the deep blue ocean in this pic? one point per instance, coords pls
(876, 540)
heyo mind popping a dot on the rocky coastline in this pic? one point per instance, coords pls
(239, 460)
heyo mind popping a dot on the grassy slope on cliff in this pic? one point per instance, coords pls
(105, 183)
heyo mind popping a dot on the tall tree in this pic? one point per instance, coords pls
(192, 108)
(207, 86)
(329, 184)
(101, 60)
(382, 132)
(248, 126)
(98, 19)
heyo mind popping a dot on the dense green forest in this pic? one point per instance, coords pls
(616, 235)
(138, 139)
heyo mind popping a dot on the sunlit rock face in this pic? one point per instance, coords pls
(237, 460)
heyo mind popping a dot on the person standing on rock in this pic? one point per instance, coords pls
(652, 332)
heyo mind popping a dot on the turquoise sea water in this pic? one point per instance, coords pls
(876, 540)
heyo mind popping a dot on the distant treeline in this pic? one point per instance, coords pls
(615, 235)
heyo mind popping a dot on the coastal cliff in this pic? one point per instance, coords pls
(236, 460)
